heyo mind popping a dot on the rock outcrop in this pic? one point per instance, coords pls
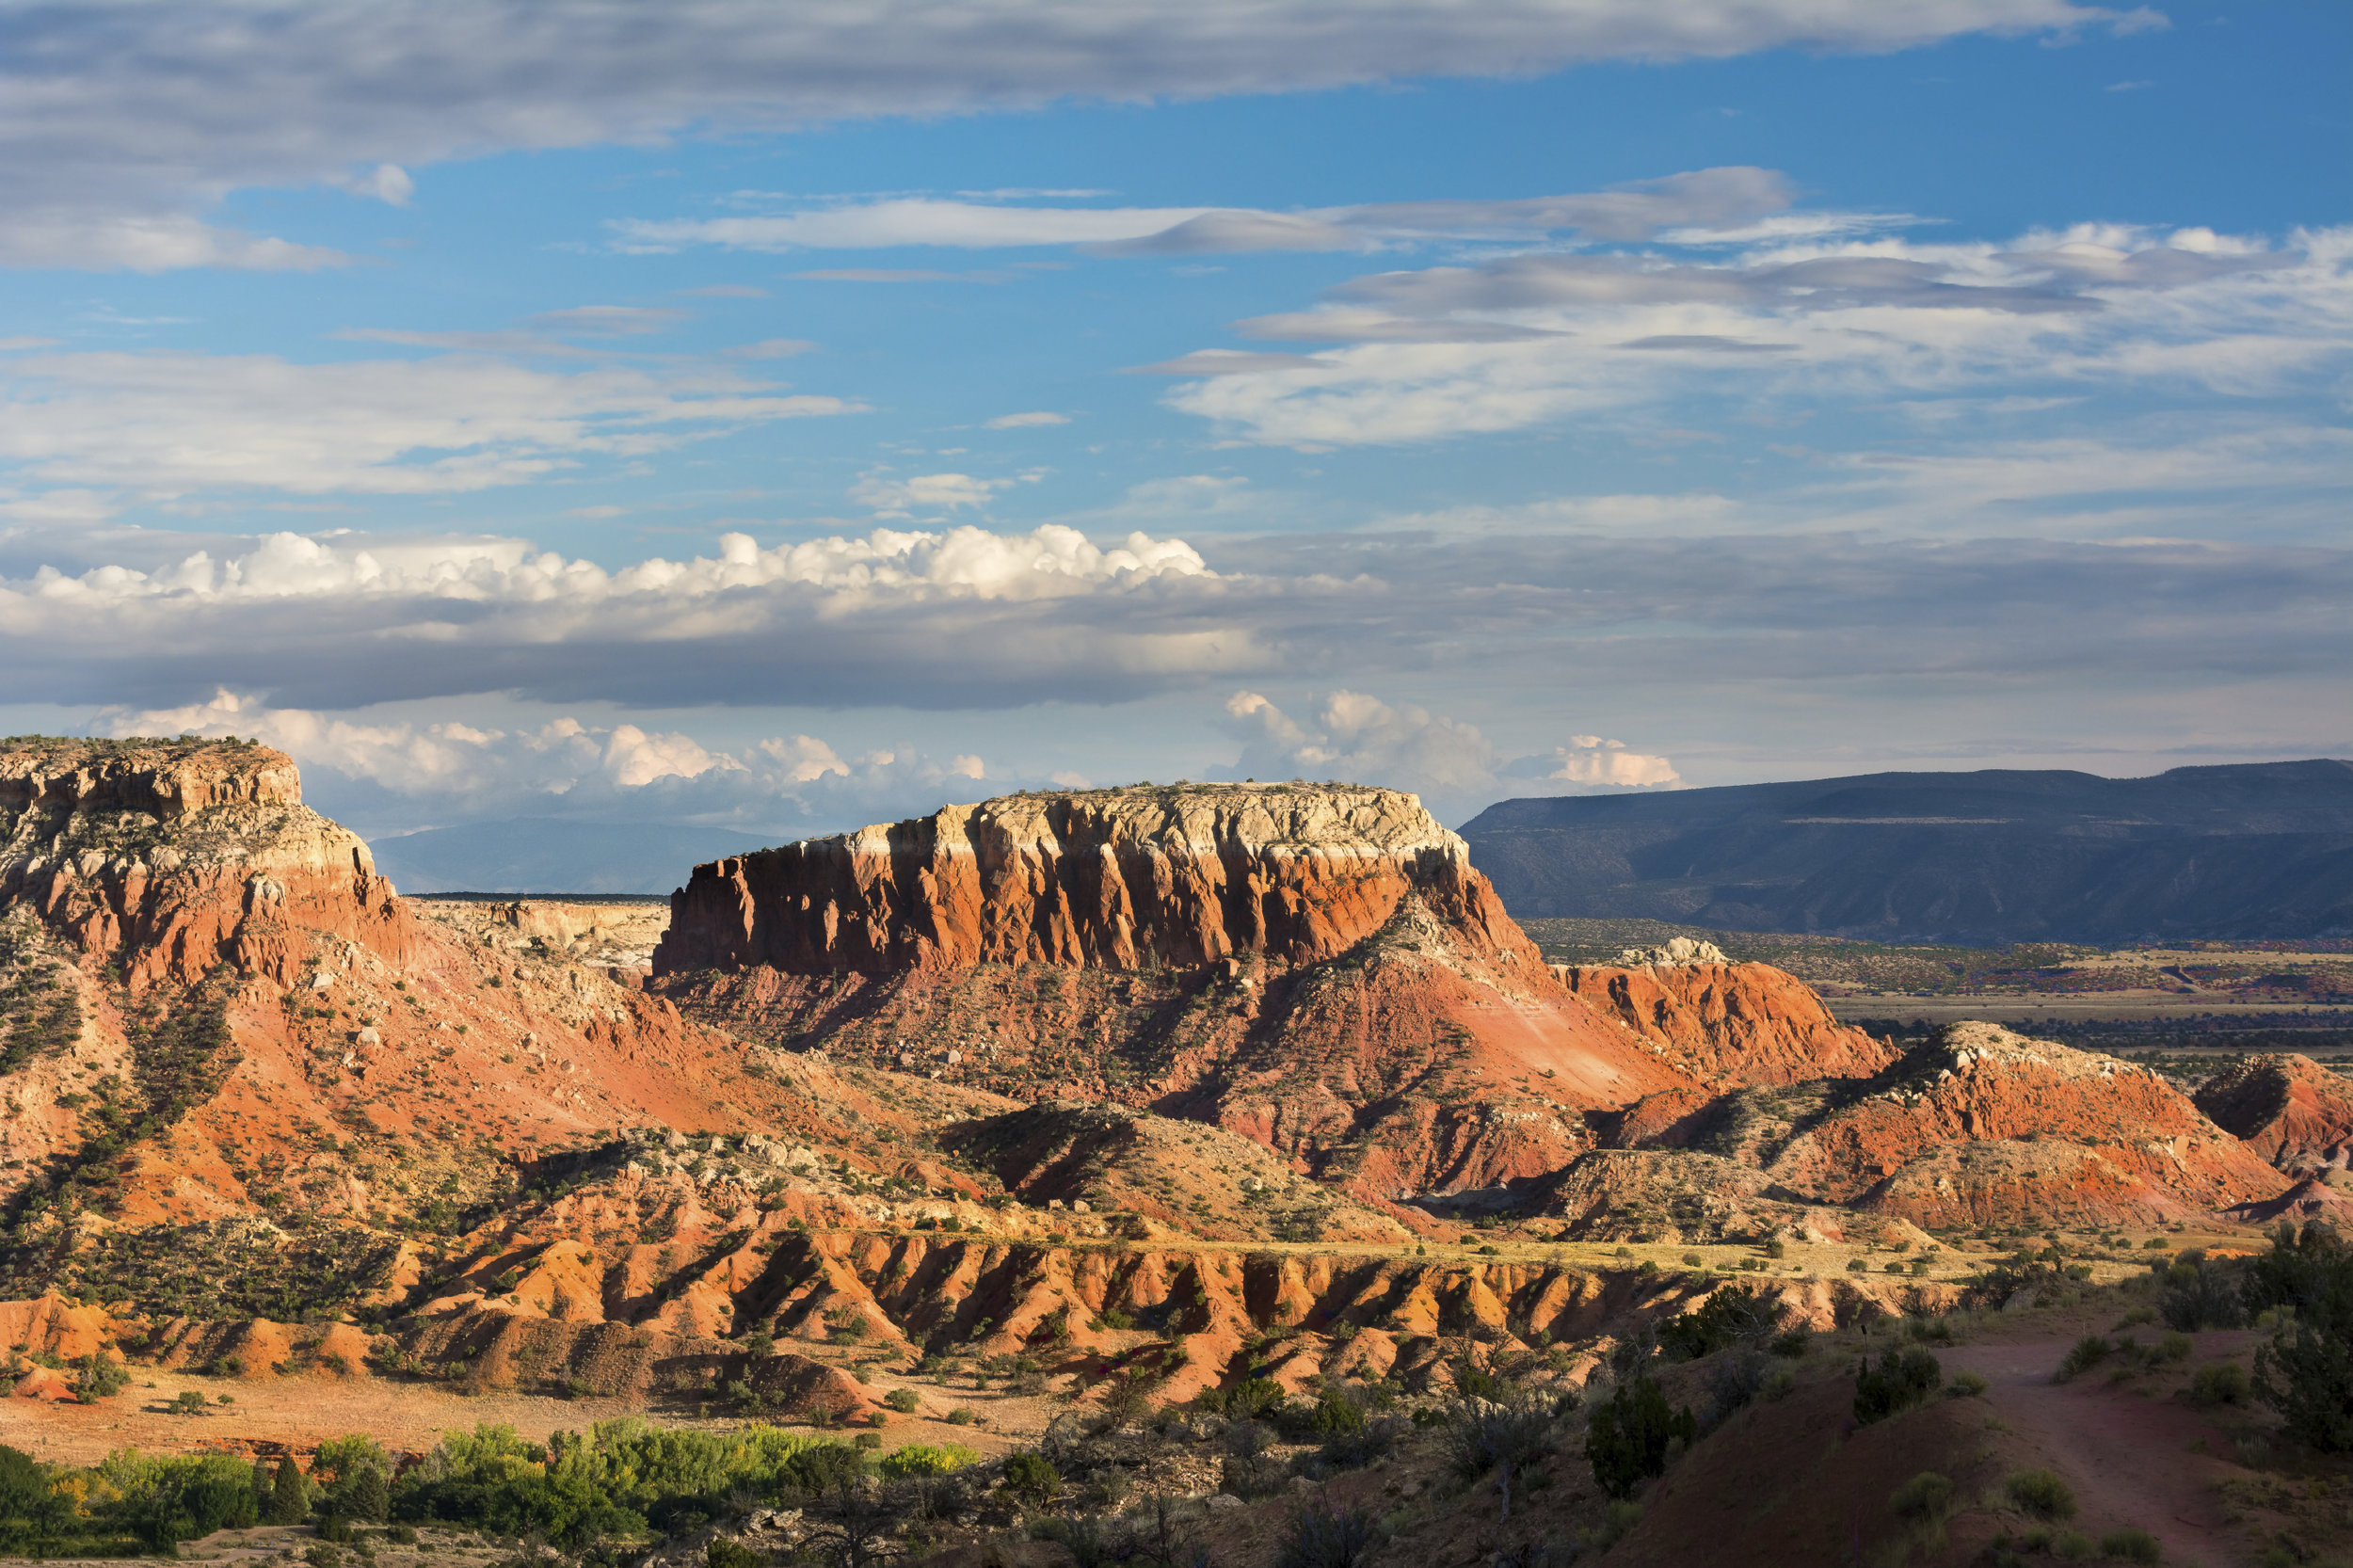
(178, 857)
(1982, 1126)
(1121, 879)
(1728, 1024)
(2290, 1110)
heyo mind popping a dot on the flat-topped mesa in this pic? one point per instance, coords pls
(163, 779)
(174, 857)
(1119, 878)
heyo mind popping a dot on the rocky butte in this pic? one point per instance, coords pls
(1317, 968)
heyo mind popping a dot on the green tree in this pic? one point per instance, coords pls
(1629, 1439)
(355, 1476)
(289, 1493)
(31, 1510)
(2305, 1371)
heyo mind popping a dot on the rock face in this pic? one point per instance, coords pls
(1113, 878)
(1728, 1024)
(179, 855)
(2290, 1110)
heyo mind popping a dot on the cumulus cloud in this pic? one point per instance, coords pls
(1361, 739)
(950, 618)
(1536, 337)
(121, 123)
(566, 768)
(170, 424)
(1591, 760)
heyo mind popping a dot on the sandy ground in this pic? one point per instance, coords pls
(300, 1412)
(2136, 1456)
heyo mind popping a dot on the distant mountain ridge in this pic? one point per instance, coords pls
(2245, 850)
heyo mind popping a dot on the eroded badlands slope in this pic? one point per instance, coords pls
(1025, 1080)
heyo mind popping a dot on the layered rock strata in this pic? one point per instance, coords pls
(177, 857)
(1119, 879)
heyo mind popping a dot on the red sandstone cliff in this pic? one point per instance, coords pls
(177, 857)
(1113, 878)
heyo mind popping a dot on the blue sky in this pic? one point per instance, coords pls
(784, 417)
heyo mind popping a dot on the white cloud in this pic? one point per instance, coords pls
(1589, 759)
(388, 183)
(1702, 201)
(928, 492)
(172, 424)
(1361, 739)
(565, 767)
(1023, 422)
(944, 618)
(123, 123)
(1536, 337)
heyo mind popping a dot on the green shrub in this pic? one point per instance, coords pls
(1477, 1441)
(867, 1441)
(1321, 1538)
(96, 1377)
(1032, 1480)
(925, 1458)
(166, 1501)
(2040, 1494)
(723, 1553)
(2073, 1546)
(903, 1401)
(2088, 1353)
(1733, 1315)
(2131, 1546)
(2174, 1347)
(2305, 1370)
(1617, 1517)
(2219, 1382)
(2199, 1294)
(1966, 1386)
(1630, 1439)
(1926, 1496)
(963, 1416)
(1901, 1380)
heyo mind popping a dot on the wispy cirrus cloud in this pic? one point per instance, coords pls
(165, 424)
(122, 124)
(1700, 202)
(1532, 339)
